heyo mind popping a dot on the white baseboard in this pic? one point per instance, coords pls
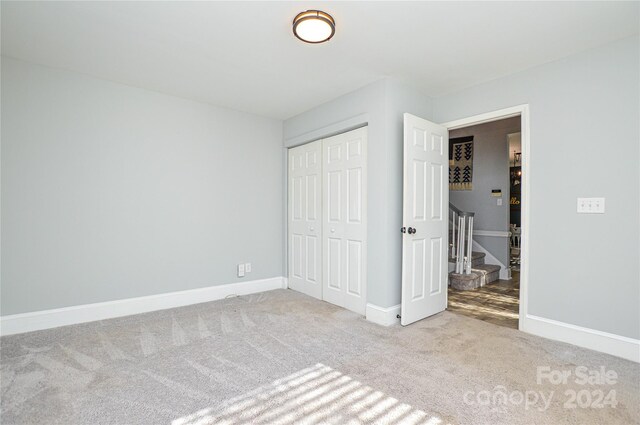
(616, 345)
(505, 274)
(385, 316)
(45, 319)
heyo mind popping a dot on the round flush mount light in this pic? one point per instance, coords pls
(314, 26)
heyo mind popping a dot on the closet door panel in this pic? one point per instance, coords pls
(305, 219)
(344, 224)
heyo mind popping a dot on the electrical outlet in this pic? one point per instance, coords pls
(240, 270)
(247, 268)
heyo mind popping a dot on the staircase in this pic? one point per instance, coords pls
(467, 268)
(480, 274)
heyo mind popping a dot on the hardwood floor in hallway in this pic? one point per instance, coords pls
(498, 302)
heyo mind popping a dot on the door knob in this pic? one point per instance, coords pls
(333, 230)
(311, 229)
(411, 230)
(403, 230)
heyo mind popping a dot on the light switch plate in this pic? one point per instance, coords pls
(590, 206)
(247, 268)
(240, 270)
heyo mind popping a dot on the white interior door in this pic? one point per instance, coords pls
(345, 219)
(305, 219)
(425, 218)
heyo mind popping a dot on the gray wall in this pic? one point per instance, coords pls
(400, 98)
(490, 171)
(585, 121)
(110, 192)
(380, 105)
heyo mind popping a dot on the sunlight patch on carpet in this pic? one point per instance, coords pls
(318, 394)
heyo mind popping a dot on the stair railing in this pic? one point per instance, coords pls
(461, 238)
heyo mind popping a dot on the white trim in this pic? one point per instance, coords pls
(616, 345)
(486, 117)
(45, 319)
(491, 233)
(334, 129)
(523, 111)
(385, 316)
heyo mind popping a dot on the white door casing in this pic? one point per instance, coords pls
(305, 219)
(345, 220)
(425, 209)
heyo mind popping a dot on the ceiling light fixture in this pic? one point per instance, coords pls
(314, 26)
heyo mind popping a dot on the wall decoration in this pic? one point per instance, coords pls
(515, 195)
(461, 163)
(515, 175)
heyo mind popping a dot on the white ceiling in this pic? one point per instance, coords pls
(243, 55)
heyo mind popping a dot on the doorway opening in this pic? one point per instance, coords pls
(486, 177)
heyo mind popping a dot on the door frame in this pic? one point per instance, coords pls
(525, 208)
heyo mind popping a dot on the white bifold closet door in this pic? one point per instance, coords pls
(345, 219)
(328, 219)
(305, 219)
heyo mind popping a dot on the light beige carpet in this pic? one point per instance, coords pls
(282, 358)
